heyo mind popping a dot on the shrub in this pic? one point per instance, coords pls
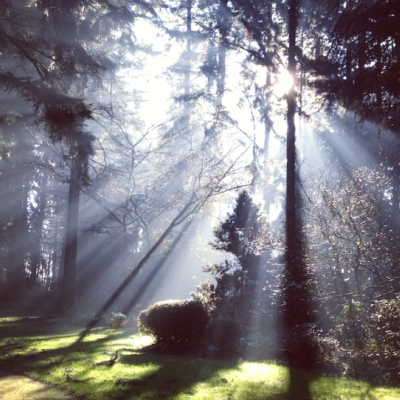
(224, 333)
(175, 322)
(205, 293)
(118, 320)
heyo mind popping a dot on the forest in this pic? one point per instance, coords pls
(235, 163)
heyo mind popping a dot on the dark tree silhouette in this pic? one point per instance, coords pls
(361, 69)
(297, 314)
(243, 235)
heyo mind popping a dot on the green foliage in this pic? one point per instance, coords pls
(243, 234)
(353, 324)
(351, 234)
(240, 282)
(361, 54)
(387, 319)
(370, 336)
(224, 334)
(205, 293)
(175, 322)
(233, 291)
(329, 353)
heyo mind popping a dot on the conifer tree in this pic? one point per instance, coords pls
(243, 235)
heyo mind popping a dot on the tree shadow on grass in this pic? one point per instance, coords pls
(23, 333)
(157, 376)
(184, 375)
(19, 353)
(173, 375)
(161, 374)
(299, 385)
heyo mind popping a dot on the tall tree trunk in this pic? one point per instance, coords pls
(38, 219)
(297, 284)
(267, 137)
(71, 242)
(223, 26)
(223, 23)
(18, 233)
(291, 232)
(54, 270)
(186, 79)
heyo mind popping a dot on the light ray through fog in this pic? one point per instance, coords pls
(337, 150)
(332, 139)
(152, 284)
(161, 116)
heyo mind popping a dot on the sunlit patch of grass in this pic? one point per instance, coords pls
(247, 380)
(10, 319)
(108, 365)
(344, 388)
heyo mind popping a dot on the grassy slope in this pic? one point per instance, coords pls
(50, 351)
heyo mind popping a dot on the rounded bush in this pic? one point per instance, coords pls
(224, 333)
(118, 320)
(175, 322)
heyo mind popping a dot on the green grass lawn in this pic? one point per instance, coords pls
(51, 352)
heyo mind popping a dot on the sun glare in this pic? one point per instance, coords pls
(283, 83)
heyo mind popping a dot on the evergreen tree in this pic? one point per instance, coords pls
(359, 65)
(62, 50)
(243, 235)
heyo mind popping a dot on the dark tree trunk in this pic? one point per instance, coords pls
(267, 137)
(71, 242)
(223, 26)
(18, 233)
(187, 84)
(296, 290)
(291, 232)
(55, 260)
(188, 58)
(38, 219)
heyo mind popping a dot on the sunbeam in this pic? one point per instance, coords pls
(233, 166)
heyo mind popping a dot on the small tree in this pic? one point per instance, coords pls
(242, 234)
(240, 281)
